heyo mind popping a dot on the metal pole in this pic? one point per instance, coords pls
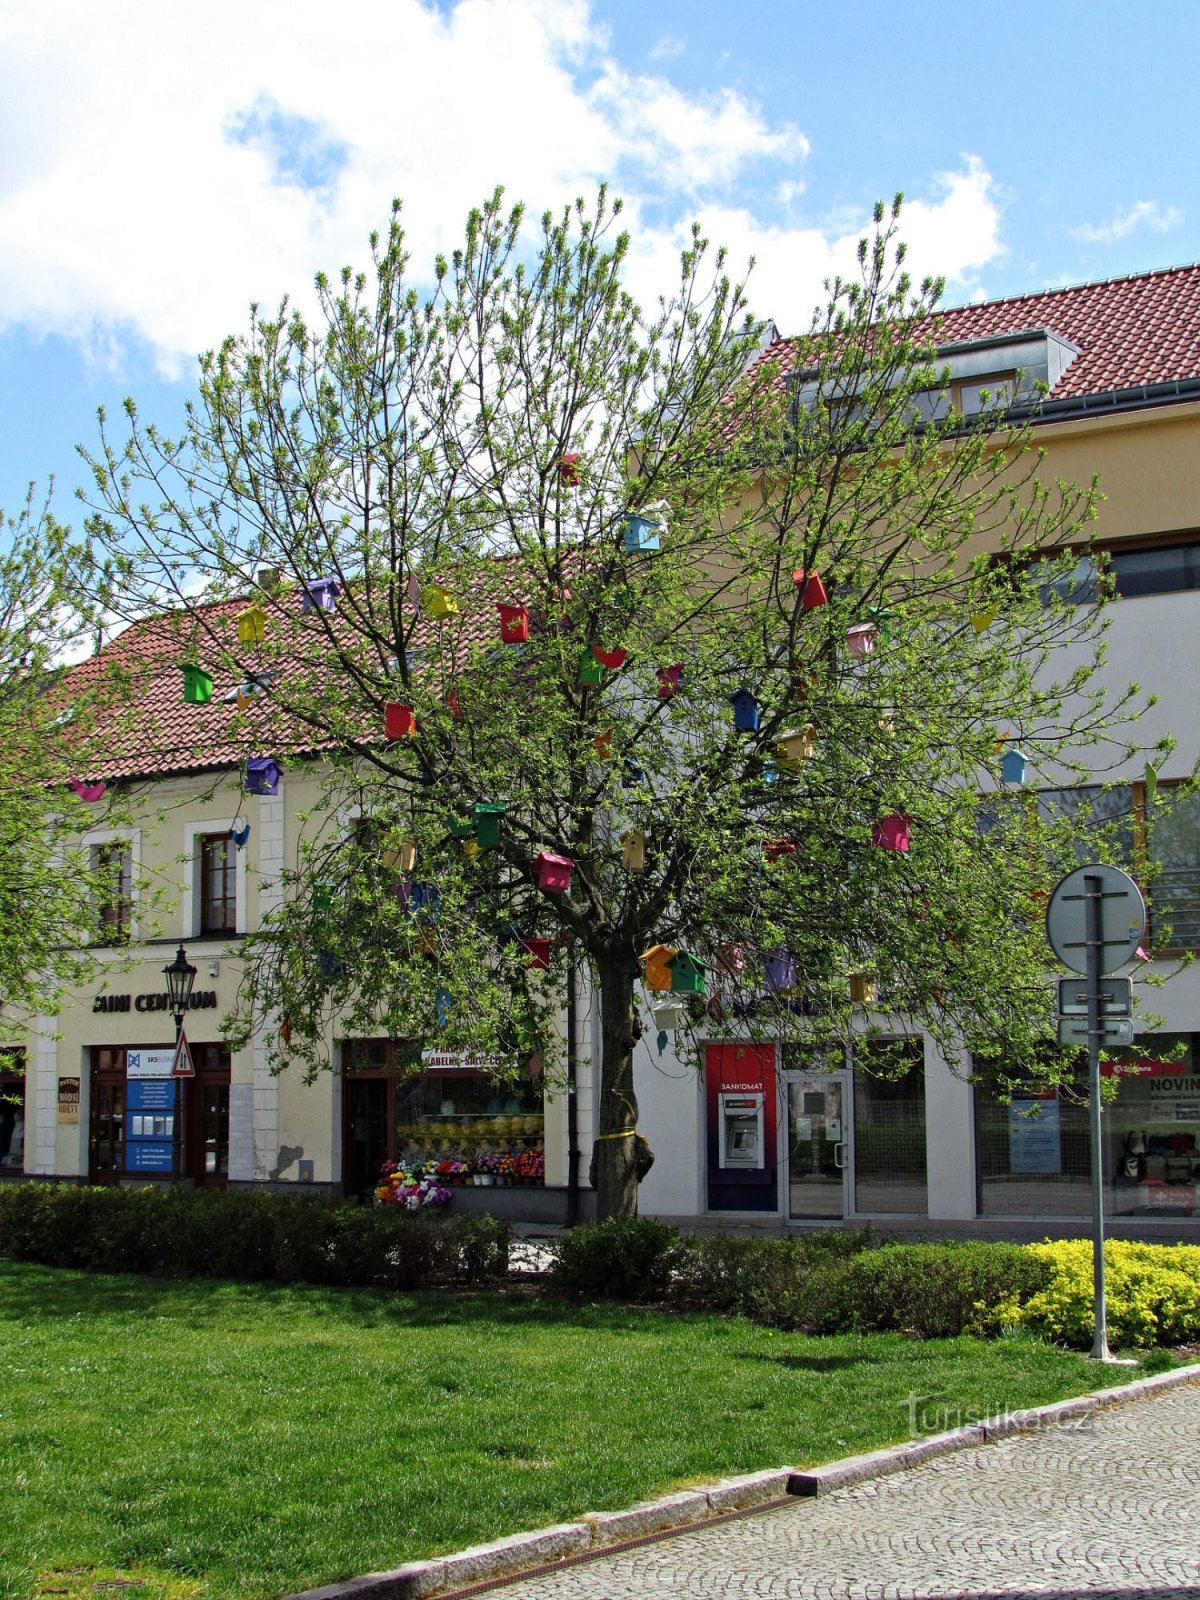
(1094, 932)
(572, 1093)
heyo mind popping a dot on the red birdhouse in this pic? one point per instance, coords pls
(612, 659)
(539, 952)
(553, 873)
(453, 707)
(399, 721)
(669, 680)
(569, 472)
(812, 590)
(892, 833)
(514, 624)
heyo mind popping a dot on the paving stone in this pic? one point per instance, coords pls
(1101, 1500)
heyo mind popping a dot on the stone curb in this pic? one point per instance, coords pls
(598, 1531)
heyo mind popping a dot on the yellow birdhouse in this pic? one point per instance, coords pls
(863, 991)
(797, 746)
(981, 621)
(657, 972)
(400, 858)
(439, 602)
(252, 625)
(633, 850)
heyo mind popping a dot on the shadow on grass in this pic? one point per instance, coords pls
(794, 1363)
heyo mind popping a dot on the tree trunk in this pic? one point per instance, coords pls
(614, 1158)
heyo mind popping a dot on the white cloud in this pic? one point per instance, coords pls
(1142, 214)
(666, 47)
(163, 167)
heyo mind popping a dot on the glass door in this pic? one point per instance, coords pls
(817, 1144)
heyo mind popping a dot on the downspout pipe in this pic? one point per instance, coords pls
(572, 1092)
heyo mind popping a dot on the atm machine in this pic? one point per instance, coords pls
(740, 1144)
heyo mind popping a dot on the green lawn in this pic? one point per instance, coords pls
(228, 1440)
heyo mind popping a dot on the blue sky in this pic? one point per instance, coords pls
(158, 174)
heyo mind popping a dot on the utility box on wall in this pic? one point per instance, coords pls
(742, 1122)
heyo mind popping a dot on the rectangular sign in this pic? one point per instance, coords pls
(149, 1063)
(150, 1155)
(463, 1061)
(1034, 1137)
(150, 1094)
(68, 1101)
(1116, 997)
(1113, 1030)
(149, 1125)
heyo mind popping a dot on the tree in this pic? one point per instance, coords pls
(858, 565)
(49, 895)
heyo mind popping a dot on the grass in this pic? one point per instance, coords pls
(222, 1441)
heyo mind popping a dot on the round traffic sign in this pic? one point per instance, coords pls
(1122, 917)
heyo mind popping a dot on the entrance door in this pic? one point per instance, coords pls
(366, 1120)
(818, 1105)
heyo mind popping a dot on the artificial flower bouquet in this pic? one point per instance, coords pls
(409, 1190)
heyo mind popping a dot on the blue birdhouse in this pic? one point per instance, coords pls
(745, 711)
(1013, 764)
(331, 967)
(640, 534)
(632, 773)
(424, 901)
(321, 594)
(240, 835)
(262, 775)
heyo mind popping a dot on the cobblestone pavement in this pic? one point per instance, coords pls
(1105, 1504)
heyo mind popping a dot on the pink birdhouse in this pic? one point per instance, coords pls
(669, 680)
(514, 624)
(569, 472)
(892, 833)
(730, 958)
(812, 590)
(553, 873)
(89, 793)
(399, 721)
(861, 640)
(538, 951)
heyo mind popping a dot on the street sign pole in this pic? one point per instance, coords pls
(1094, 936)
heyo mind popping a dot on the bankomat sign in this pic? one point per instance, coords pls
(741, 1102)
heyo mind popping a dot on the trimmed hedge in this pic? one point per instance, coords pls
(1153, 1293)
(245, 1234)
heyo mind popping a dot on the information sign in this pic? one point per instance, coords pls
(150, 1094)
(149, 1063)
(1115, 994)
(1113, 1030)
(150, 1155)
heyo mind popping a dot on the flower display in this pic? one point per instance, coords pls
(408, 1189)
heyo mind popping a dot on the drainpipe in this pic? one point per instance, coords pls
(572, 1095)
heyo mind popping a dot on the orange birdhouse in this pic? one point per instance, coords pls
(656, 963)
(811, 590)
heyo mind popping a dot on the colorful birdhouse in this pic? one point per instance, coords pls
(197, 685)
(514, 624)
(330, 966)
(612, 659)
(863, 990)
(252, 625)
(439, 602)
(633, 850)
(884, 618)
(570, 471)
(981, 621)
(861, 640)
(779, 972)
(402, 859)
(538, 951)
(892, 832)
(669, 680)
(552, 873)
(590, 670)
(427, 942)
(240, 836)
(745, 711)
(777, 851)
(442, 1002)
(321, 594)
(810, 588)
(323, 896)
(89, 793)
(602, 745)
(457, 828)
(657, 969)
(453, 707)
(667, 1018)
(424, 901)
(632, 773)
(471, 848)
(640, 534)
(399, 722)
(731, 958)
(799, 744)
(1013, 764)
(262, 775)
(488, 817)
(687, 974)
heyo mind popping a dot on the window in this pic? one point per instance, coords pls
(889, 1127)
(218, 884)
(1174, 844)
(112, 870)
(1095, 813)
(12, 1110)
(1165, 570)
(994, 392)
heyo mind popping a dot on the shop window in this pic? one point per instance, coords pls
(1174, 845)
(202, 1108)
(112, 871)
(474, 1128)
(218, 883)
(889, 1128)
(1033, 1154)
(1152, 1132)
(12, 1110)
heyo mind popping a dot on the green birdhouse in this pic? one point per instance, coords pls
(197, 686)
(323, 897)
(590, 670)
(687, 974)
(457, 828)
(488, 817)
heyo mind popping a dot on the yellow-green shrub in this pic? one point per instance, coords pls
(1153, 1293)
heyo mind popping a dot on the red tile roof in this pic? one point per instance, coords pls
(1131, 331)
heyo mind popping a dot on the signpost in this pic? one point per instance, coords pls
(1095, 923)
